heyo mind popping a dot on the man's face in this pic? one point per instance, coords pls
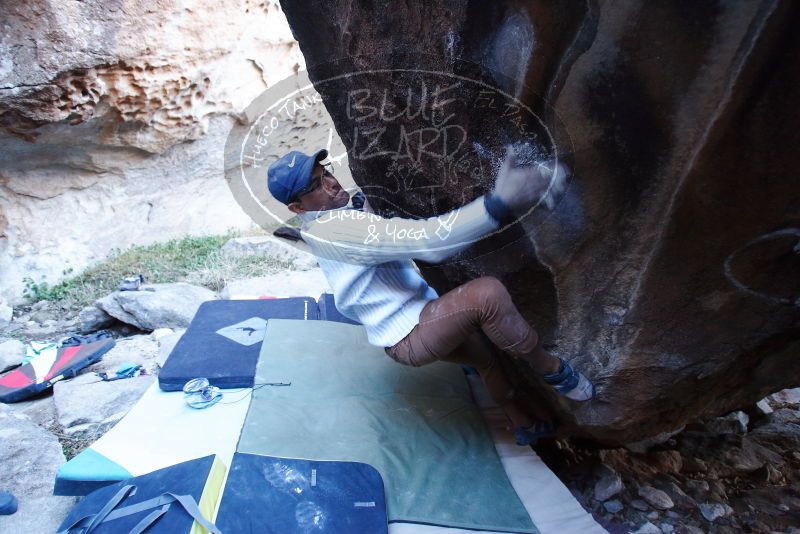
(325, 193)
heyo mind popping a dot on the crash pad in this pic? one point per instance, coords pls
(224, 338)
(198, 482)
(418, 426)
(160, 430)
(45, 369)
(329, 312)
(268, 495)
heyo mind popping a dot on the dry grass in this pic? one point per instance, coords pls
(197, 260)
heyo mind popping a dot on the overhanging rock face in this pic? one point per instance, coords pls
(670, 268)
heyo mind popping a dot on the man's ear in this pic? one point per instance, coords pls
(295, 207)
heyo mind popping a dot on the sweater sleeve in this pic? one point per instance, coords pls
(368, 239)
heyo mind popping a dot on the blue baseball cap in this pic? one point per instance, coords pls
(292, 173)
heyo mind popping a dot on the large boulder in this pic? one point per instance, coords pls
(30, 457)
(86, 405)
(667, 269)
(156, 305)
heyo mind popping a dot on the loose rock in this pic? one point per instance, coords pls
(786, 396)
(655, 497)
(158, 333)
(11, 353)
(6, 314)
(30, 457)
(608, 486)
(90, 406)
(87, 404)
(140, 349)
(640, 505)
(613, 506)
(733, 423)
(714, 510)
(670, 486)
(93, 318)
(156, 305)
(697, 488)
(648, 528)
(166, 344)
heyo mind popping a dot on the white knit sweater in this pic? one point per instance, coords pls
(367, 261)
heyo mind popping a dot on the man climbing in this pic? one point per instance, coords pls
(367, 260)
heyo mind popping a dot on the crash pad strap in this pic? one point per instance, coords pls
(110, 512)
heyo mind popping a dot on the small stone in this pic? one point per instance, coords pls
(666, 528)
(6, 314)
(764, 406)
(41, 316)
(93, 318)
(608, 486)
(158, 333)
(679, 498)
(733, 423)
(698, 488)
(656, 498)
(640, 505)
(613, 506)
(673, 514)
(652, 516)
(714, 510)
(648, 528)
(694, 465)
(783, 508)
(11, 353)
(689, 529)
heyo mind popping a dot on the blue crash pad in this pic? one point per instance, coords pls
(223, 341)
(268, 495)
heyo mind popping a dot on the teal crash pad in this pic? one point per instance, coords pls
(419, 427)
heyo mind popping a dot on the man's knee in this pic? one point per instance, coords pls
(489, 289)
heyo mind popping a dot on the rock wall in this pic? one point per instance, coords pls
(669, 268)
(113, 120)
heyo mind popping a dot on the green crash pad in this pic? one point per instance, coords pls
(419, 427)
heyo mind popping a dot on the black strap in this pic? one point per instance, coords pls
(151, 518)
(90, 522)
(109, 513)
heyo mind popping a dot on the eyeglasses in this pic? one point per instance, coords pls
(316, 181)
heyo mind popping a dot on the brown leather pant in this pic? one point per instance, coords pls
(455, 327)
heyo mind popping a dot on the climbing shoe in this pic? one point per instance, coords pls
(8, 503)
(537, 431)
(570, 383)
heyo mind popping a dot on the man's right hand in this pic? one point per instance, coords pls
(520, 188)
